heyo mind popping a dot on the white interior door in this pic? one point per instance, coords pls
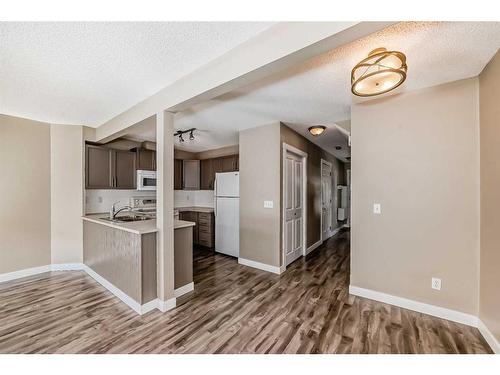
(326, 199)
(293, 207)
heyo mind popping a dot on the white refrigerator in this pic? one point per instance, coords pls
(227, 213)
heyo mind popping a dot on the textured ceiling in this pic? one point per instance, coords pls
(88, 72)
(318, 92)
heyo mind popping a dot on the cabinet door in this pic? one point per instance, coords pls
(206, 175)
(217, 165)
(124, 169)
(145, 159)
(236, 162)
(177, 174)
(191, 174)
(98, 173)
(228, 164)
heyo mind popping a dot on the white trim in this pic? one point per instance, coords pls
(169, 304)
(333, 188)
(261, 266)
(489, 337)
(440, 312)
(66, 267)
(149, 306)
(24, 273)
(183, 290)
(314, 246)
(129, 301)
(304, 155)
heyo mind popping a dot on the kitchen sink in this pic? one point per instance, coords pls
(127, 218)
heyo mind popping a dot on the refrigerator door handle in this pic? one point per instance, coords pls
(215, 196)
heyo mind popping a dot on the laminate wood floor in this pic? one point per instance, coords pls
(234, 309)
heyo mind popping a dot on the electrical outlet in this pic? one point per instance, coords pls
(436, 283)
(377, 209)
(99, 199)
(268, 204)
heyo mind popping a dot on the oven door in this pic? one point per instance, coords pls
(146, 180)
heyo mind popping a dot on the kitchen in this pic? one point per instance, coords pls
(120, 215)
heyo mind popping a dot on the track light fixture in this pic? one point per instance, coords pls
(179, 134)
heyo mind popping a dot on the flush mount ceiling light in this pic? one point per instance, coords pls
(317, 130)
(381, 72)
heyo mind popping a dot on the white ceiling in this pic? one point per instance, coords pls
(318, 92)
(88, 72)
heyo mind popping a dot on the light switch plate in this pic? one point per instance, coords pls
(377, 209)
(268, 204)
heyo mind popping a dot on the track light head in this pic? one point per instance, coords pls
(180, 138)
(191, 136)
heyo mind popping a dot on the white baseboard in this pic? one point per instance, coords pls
(314, 246)
(66, 267)
(129, 301)
(489, 337)
(261, 266)
(169, 304)
(440, 312)
(183, 290)
(24, 273)
(149, 306)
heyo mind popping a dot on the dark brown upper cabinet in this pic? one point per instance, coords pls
(146, 159)
(124, 163)
(230, 163)
(209, 167)
(178, 174)
(207, 174)
(98, 167)
(106, 168)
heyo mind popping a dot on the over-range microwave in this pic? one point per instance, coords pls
(146, 180)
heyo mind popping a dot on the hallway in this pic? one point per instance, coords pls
(234, 309)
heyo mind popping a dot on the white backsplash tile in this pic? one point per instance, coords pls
(99, 201)
(201, 198)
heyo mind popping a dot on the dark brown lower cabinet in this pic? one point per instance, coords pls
(204, 230)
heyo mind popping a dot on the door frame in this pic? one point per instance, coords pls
(303, 155)
(323, 161)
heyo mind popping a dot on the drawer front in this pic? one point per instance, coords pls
(203, 222)
(204, 216)
(205, 229)
(205, 239)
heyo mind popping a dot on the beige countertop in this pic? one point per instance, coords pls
(195, 209)
(137, 227)
(178, 224)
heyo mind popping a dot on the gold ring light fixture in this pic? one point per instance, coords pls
(380, 72)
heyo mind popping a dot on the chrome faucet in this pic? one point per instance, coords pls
(113, 212)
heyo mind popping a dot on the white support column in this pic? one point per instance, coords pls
(165, 209)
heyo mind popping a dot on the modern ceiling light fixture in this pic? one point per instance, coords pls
(380, 72)
(316, 130)
(179, 134)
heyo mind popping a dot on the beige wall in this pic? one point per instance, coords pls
(418, 154)
(66, 142)
(489, 302)
(259, 181)
(314, 156)
(24, 194)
